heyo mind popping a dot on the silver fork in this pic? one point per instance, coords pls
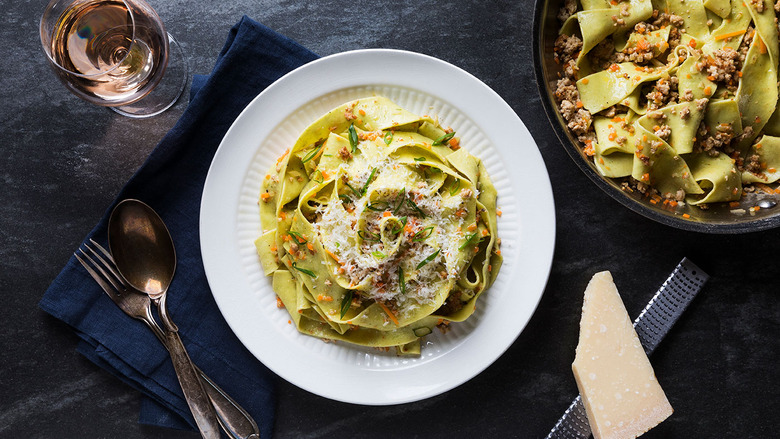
(100, 265)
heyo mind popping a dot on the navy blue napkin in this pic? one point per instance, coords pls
(171, 181)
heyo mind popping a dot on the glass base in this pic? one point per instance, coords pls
(167, 92)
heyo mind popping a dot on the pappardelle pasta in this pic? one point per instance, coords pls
(675, 97)
(377, 227)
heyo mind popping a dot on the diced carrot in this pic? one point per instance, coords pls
(589, 150)
(279, 160)
(332, 255)
(685, 215)
(585, 81)
(265, 196)
(730, 34)
(386, 213)
(389, 313)
(472, 227)
(279, 303)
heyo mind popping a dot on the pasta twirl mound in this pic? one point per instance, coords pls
(377, 227)
(675, 97)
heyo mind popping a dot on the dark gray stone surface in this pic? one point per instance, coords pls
(64, 160)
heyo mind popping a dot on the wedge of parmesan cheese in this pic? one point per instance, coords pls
(619, 389)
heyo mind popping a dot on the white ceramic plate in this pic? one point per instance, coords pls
(230, 222)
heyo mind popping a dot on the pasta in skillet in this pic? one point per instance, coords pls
(676, 97)
(378, 227)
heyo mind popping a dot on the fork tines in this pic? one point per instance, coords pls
(101, 260)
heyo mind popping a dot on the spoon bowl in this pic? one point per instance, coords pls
(142, 247)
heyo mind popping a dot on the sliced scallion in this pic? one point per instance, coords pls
(367, 236)
(298, 237)
(423, 234)
(388, 137)
(401, 280)
(428, 259)
(455, 188)
(346, 303)
(414, 206)
(403, 224)
(303, 270)
(312, 153)
(468, 241)
(443, 139)
(353, 137)
(365, 186)
(402, 196)
(377, 206)
(419, 159)
(378, 254)
(357, 193)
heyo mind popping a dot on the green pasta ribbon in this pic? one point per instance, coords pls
(606, 88)
(378, 226)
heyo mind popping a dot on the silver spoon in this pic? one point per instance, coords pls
(144, 254)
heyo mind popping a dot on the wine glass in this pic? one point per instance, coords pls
(114, 53)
